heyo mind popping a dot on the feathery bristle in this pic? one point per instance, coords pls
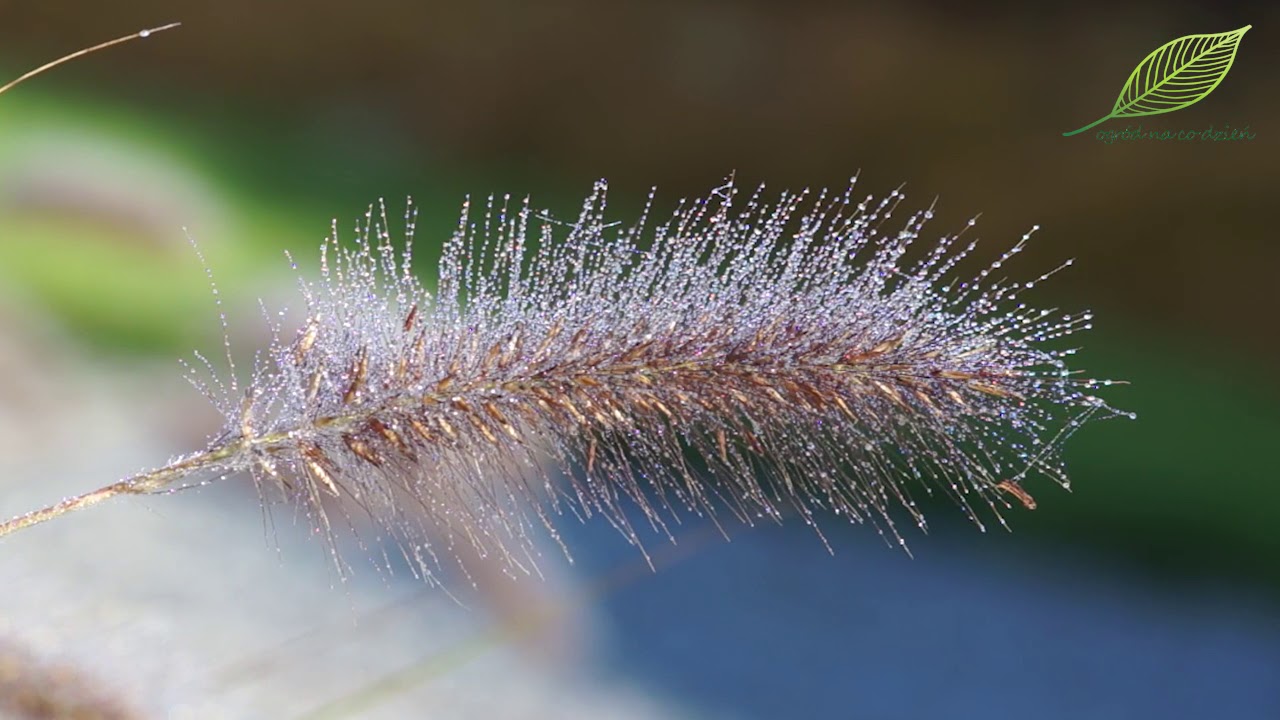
(762, 357)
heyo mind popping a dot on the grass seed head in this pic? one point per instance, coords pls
(753, 355)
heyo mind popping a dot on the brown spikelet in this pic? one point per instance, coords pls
(410, 317)
(318, 465)
(359, 371)
(306, 341)
(390, 435)
(362, 450)
(1013, 488)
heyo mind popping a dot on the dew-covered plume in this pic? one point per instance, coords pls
(755, 356)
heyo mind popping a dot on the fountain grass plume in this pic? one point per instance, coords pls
(751, 356)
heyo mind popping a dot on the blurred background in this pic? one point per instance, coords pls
(1151, 590)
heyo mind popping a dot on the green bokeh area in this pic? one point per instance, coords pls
(113, 288)
(106, 294)
(1187, 490)
(274, 192)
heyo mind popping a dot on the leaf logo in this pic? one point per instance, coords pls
(1178, 74)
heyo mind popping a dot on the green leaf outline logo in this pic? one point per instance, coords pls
(1176, 75)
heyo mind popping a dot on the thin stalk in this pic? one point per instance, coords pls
(86, 51)
(140, 484)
